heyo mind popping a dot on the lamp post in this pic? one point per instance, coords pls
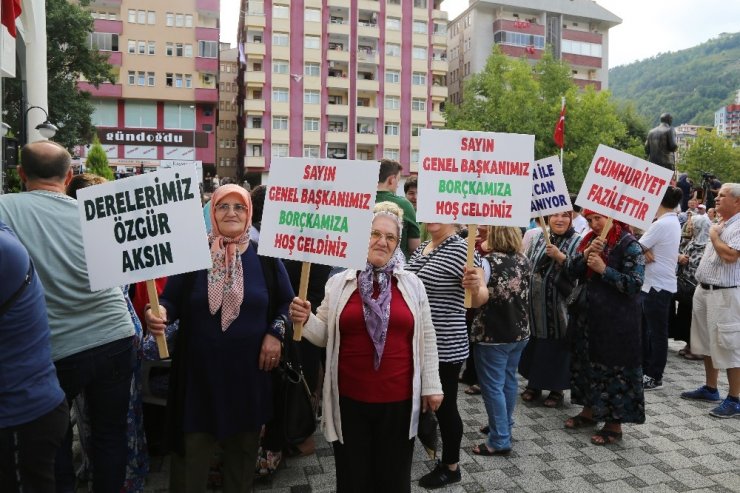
(47, 129)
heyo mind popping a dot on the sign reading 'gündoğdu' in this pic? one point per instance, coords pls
(319, 210)
(475, 177)
(624, 187)
(143, 227)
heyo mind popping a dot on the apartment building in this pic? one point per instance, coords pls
(345, 80)
(577, 31)
(727, 119)
(226, 131)
(685, 136)
(162, 106)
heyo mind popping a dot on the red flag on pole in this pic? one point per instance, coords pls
(559, 134)
(11, 10)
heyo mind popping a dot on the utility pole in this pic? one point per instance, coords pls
(241, 147)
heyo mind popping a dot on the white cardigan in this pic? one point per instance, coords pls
(322, 330)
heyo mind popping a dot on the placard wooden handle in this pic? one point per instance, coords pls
(472, 230)
(302, 292)
(151, 289)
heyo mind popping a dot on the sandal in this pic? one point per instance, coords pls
(579, 421)
(606, 437)
(483, 450)
(685, 350)
(473, 390)
(554, 399)
(531, 394)
(485, 429)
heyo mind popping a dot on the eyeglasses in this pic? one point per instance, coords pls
(376, 235)
(237, 208)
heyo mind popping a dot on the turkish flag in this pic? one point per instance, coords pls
(559, 134)
(10, 10)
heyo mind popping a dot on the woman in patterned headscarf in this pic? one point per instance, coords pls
(381, 362)
(231, 328)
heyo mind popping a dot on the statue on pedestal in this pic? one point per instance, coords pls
(661, 143)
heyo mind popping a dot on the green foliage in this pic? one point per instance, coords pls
(711, 153)
(513, 96)
(12, 181)
(69, 56)
(690, 84)
(97, 161)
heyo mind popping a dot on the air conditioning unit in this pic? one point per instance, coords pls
(207, 79)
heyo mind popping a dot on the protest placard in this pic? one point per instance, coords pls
(320, 211)
(624, 187)
(549, 191)
(475, 177)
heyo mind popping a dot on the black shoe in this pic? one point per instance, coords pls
(439, 477)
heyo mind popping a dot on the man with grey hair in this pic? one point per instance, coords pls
(91, 332)
(715, 323)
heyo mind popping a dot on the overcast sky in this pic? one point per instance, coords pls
(648, 27)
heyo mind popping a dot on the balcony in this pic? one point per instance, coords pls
(254, 78)
(368, 139)
(368, 56)
(255, 49)
(208, 8)
(439, 15)
(254, 133)
(103, 91)
(439, 92)
(106, 3)
(257, 105)
(337, 82)
(368, 85)
(582, 60)
(203, 94)
(367, 112)
(583, 83)
(440, 66)
(337, 56)
(115, 58)
(373, 5)
(436, 118)
(337, 28)
(206, 64)
(337, 109)
(255, 161)
(206, 33)
(337, 3)
(108, 26)
(368, 30)
(255, 20)
(334, 137)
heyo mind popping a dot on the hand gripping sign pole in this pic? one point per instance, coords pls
(472, 231)
(541, 222)
(151, 289)
(302, 294)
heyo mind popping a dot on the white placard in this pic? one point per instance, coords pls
(143, 227)
(475, 177)
(624, 187)
(319, 210)
(174, 163)
(549, 191)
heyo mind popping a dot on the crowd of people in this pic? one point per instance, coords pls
(568, 309)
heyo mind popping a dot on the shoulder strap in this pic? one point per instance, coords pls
(14, 297)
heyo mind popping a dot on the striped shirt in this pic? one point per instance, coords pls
(441, 271)
(712, 269)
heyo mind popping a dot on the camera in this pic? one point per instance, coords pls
(707, 175)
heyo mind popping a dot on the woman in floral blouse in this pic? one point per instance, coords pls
(499, 333)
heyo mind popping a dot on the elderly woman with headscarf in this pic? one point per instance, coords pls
(231, 327)
(381, 362)
(690, 253)
(605, 324)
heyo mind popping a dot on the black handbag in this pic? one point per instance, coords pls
(686, 286)
(299, 413)
(577, 300)
(563, 284)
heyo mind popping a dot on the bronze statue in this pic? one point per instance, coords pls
(661, 143)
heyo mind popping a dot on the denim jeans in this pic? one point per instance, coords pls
(496, 365)
(655, 313)
(104, 374)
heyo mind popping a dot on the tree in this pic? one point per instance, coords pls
(97, 161)
(514, 96)
(713, 154)
(69, 57)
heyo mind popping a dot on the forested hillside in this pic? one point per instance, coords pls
(690, 84)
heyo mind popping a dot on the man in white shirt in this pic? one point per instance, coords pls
(579, 222)
(660, 244)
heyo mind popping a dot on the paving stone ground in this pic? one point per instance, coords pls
(680, 448)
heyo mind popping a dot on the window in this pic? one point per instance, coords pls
(392, 102)
(131, 46)
(178, 49)
(418, 104)
(419, 53)
(311, 124)
(151, 17)
(140, 114)
(311, 96)
(104, 41)
(414, 156)
(392, 49)
(131, 77)
(188, 20)
(420, 27)
(142, 47)
(312, 15)
(391, 128)
(280, 95)
(179, 20)
(280, 11)
(208, 49)
(280, 39)
(150, 78)
(420, 4)
(169, 19)
(168, 79)
(254, 122)
(141, 17)
(179, 116)
(178, 80)
(312, 42)
(279, 150)
(188, 81)
(132, 16)
(141, 78)
(151, 47)
(392, 76)
(187, 50)
(311, 151)
(169, 49)
(391, 154)
(256, 150)
(280, 66)
(280, 123)
(393, 23)
(312, 69)
(105, 113)
(416, 130)
(419, 79)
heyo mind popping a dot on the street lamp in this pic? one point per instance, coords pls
(46, 128)
(4, 129)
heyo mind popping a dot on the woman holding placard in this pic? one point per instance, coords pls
(381, 362)
(440, 264)
(545, 362)
(231, 327)
(605, 322)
